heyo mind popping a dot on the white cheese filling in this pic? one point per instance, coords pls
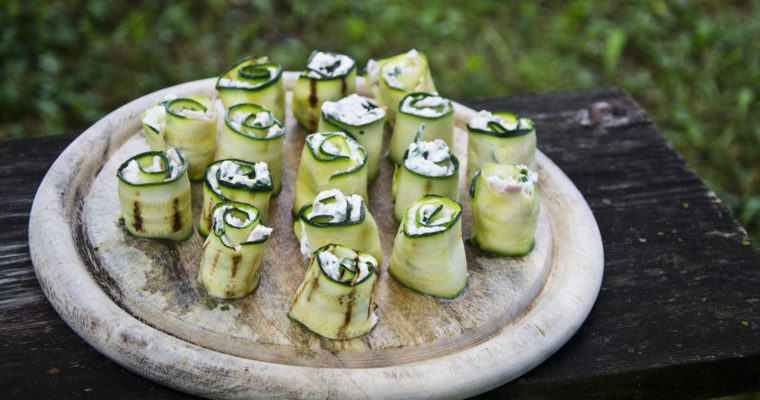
(318, 140)
(262, 120)
(483, 118)
(508, 184)
(322, 61)
(259, 232)
(337, 210)
(426, 209)
(424, 156)
(353, 110)
(230, 171)
(425, 107)
(331, 265)
(155, 117)
(241, 84)
(197, 115)
(131, 173)
(411, 64)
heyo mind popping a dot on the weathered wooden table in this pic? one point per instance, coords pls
(678, 315)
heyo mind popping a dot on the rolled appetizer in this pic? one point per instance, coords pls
(328, 77)
(426, 168)
(330, 160)
(392, 78)
(154, 194)
(234, 180)
(251, 133)
(335, 298)
(431, 109)
(233, 251)
(334, 218)
(505, 208)
(360, 119)
(428, 253)
(187, 124)
(254, 80)
(502, 138)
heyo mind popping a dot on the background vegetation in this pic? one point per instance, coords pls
(694, 65)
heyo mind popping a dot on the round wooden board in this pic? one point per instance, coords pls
(138, 302)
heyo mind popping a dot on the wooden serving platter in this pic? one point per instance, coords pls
(138, 302)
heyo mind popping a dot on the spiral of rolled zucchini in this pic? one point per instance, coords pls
(254, 80)
(235, 180)
(436, 112)
(502, 138)
(233, 251)
(505, 207)
(392, 78)
(154, 194)
(335, 298)
(187, 124)
(334, 218)
(251, 133)
(328, 77)
(425, 168)
(330, 160)
(428, 253)
(360, 119)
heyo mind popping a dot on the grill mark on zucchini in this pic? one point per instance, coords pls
(235, 261)
(177, 223)
(343, 86)
(314, 286)
(138, 218)
(313, 100)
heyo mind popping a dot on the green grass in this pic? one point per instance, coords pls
(694, 65)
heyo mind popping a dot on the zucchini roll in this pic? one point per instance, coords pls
(428, 253)
(431, 109)
(335, 298)
(154, 194)
(254, 80)
(360, 119)
(502, 138)
(334, 218)
(187, 124)
(392, 78)
(330, 160)
(504, 209)
(426, 168)
(252, 133)
(234, 180)
(328, 77)
(233, 251)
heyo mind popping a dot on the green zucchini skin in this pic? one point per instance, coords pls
(263, 85)
(194, 137)
(413, 76)
(320, 170)
(245, 141)
(369, 135)
(431, 263)
(439, 126)
(230, 263)
(504, 222)
(156, 205)
(309, 92)
(361, 234)
(408, 185)
(336, 309)
(501, 145)
(216, 191)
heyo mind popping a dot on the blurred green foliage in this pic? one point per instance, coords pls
(694, 65)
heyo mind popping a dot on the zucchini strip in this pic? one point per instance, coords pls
(426, 168)
(251, 133)
(428, 253)
(330, 160)
(436, 112)
(328, 77)
(502, 138)
(254, 80)
(154, 194)
(392, 78)
(334, 218)
(335, 298)
(233, 251)
(187, 124)
(234, 180)
(505, 207)
(360, 119)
